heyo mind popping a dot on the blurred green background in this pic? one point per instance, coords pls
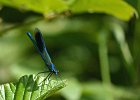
(95, 44)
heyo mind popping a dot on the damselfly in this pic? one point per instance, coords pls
(39, 44)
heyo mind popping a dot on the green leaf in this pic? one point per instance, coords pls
(41, 6)
(7, 91)
(117, 8)
(30, 88)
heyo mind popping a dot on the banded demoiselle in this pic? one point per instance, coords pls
(40, 46)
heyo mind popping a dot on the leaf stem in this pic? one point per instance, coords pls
(104, 62)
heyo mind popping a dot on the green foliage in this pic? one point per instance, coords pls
(119, 9)
(30, 88)
(99, 52)
(97, 91)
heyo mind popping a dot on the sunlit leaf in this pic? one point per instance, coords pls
(41, 6)
(30, 88)
(117, 8)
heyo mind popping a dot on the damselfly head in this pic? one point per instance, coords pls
(55, 71)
